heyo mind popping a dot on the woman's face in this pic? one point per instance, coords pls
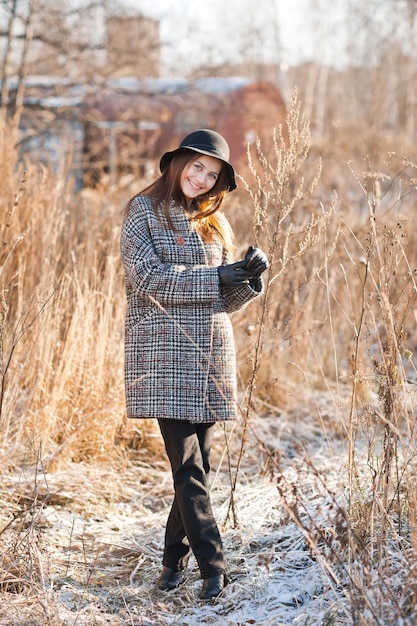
(199, 176)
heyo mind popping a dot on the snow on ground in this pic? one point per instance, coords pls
(102, 536)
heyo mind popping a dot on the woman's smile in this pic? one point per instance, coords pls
(200, 176)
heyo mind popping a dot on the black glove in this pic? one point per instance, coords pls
(256, 261)
(234, 274)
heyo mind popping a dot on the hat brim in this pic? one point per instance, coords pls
(168, 156)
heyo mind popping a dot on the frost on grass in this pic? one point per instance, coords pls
(100, 536)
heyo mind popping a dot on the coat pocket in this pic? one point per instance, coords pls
(139, 317)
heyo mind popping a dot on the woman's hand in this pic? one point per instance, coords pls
(234, 274)
(256, 261)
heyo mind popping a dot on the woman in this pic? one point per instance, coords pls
(179, 348)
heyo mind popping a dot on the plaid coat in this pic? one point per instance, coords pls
(179, 346)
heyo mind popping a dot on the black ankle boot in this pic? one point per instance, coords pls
(212, 587)
(170, 579)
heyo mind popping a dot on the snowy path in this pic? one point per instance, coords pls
(102, 535)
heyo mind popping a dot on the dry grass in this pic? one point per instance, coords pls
(62, 321)
(328, 351)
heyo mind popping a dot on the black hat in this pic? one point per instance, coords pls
(207, 142)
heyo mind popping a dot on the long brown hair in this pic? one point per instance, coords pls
(166, 190)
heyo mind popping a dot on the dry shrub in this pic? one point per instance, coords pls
(296, 232)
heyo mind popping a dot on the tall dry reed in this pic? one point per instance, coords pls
(287, 227)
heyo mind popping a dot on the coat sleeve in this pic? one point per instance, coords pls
(235, 298)
(151, 278)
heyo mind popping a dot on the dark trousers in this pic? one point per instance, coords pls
(191, 524)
